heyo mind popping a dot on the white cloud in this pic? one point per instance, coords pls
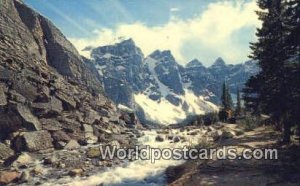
(174, 9)
(218, 31)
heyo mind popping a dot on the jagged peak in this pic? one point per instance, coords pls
(219, 62)
(159, 54)
(127, 42)
(194, 63)
(124, 47)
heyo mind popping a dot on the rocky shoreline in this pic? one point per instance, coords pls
(42, 167)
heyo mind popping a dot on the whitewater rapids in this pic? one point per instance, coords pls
(139, 172)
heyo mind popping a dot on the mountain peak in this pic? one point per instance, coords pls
(123, 48)
(219, 62)
(194, 63)
(127, 42)
(160, 54)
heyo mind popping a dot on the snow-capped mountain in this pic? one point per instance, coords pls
(158, 88)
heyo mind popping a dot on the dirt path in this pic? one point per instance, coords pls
(284, 171)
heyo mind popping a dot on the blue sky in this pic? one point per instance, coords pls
(203, 29)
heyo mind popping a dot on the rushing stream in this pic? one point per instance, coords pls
(140, 172)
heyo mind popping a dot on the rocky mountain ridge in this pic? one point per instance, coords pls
(158, 80)
(51, 99)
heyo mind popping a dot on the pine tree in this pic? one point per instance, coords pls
(226, 98)
(275, 90)
(238, 110)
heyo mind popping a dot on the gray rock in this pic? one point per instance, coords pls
(5, 152)
(114, 119)
(53, 107)
(3, 100)
(193, 133)
(38, 140)
(176, 139)
(88, 128)
(93, 152)
(50, 124)
(25, 176)
(24, 159)
(72, 145)
(30, 121)
(89, 134)
(159, 138)
(59, 145)
(216, 134)
(91, 116)
(104, 119)
(103, 112)
(68, 102)
(60, 136)
(76, 172)
(15, 96)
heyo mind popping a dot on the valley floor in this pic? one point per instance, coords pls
(284, 171)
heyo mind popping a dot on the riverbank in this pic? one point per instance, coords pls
(284, 171)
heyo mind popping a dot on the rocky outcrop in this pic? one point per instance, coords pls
(36, 141)
(52, 107)
(50, 97)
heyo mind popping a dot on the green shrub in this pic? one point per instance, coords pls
(250, 122)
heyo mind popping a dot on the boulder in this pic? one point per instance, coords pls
(216, 134)
(193, 133)
(68, 102)
(7, 177)
(15, 96)
(91, 116)
(103, 112)
(228, 134)
(87, 128)
(159, 138)
(76, 172)
(9, 122)
(176, 139)
(93, 152)
(25, 176)
(5, 152)
(52, 108)
(72, 145)
(38, 140)
(210, 128)
(60, 136)
(26, 88)
(90, 138)
(170, 137)
(24, 159)
(29, 120)
(3, 100)
(104, 119)
(70, 124)
(114, 119)
(50, 124)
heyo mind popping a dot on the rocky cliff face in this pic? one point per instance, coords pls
(158, 82)
(49, 95)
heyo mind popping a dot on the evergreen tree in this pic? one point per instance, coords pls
(275, 90)
(238, 110)
(226, 98)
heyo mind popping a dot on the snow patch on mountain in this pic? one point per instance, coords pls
(164, 112)
(151, 63)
